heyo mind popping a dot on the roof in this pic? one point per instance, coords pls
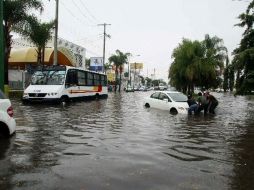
(20, 57)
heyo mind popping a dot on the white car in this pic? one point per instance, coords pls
(172, 101)
(7, 122)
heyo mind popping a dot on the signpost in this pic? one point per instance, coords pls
(96, 64)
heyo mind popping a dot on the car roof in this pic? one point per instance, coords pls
(168, 91)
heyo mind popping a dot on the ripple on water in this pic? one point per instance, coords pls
(118, 142)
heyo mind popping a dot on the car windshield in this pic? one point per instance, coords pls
(2, 96)
(48, 77)
(178, 97)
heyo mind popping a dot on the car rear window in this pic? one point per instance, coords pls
(2, 96)
(178, 97)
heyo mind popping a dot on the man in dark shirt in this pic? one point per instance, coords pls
(203, 102)
(193, 106)
(213, 103)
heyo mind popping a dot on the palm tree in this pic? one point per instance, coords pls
(197, 64)
(38, 33)
(14, 12)
(107, 67)
(119, 59)
(215, 56)
(185, 71)
(244, 54)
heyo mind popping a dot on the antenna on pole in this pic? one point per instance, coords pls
(104, 41)
(56, 34)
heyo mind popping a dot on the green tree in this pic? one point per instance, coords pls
(215, 56)
(148, 81)
(14, 12)
(231, 75)
(197, 63)
(226, 76)
(156, 82)
(119, 59)
(185, 71)
(38, 33)
(107, 66)
(243, 61)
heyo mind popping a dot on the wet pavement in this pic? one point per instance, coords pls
(117, 144)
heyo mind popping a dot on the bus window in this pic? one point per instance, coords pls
(89, 79)
(96, 79)
(81, 78)
(71, 78)
(103, 80)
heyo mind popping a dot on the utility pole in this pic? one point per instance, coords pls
(1, 47)
(56, 34)
(104, 42)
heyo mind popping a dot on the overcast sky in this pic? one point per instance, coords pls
(149, 28)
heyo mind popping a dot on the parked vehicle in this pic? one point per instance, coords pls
(7, 122)
(63, 83)
(129, 89)
(143, 88)
(163, 86)
(172, 101)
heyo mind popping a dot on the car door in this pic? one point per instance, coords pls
(164, 101)
(154, 100)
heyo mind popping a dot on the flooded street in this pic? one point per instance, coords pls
(117, 144)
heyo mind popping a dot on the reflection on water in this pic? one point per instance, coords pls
(118, 144)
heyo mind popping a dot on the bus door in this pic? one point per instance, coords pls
(71, 83)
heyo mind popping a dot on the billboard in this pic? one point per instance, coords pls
(136, 66)
(96, 64)
(111, 77)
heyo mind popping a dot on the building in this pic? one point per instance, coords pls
(23, 59)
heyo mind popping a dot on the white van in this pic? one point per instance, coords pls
(63, 83)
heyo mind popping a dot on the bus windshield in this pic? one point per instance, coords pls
(48, 77)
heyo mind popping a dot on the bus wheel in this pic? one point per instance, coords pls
(64, 99)
(97, 96)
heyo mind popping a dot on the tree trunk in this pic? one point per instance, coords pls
(7, 51)
(116, 73)
(120, 81)
(39, 53)
(43, 55)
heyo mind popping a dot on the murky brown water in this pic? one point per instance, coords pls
(117, 144)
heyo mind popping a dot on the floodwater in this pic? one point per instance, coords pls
(117, 144)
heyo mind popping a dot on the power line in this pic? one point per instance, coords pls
(82, 13)
(74, 16)
(83, 4)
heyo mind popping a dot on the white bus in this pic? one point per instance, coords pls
(63, 83)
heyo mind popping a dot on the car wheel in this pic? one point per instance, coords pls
(173, 111)
(4, 130)
(147, 105)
